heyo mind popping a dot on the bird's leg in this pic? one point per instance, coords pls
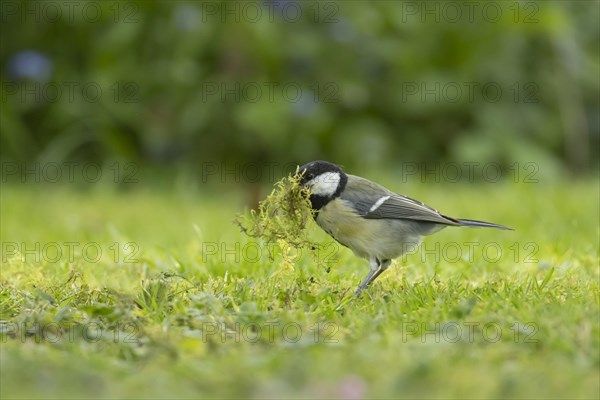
(377, 267)
(383, 265)
(374, 265)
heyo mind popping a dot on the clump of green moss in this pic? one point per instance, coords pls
(282, 216)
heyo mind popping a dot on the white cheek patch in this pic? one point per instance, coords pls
(325, 184)
(378, 203)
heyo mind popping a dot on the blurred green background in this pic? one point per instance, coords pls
(371, 84)
(186, 105)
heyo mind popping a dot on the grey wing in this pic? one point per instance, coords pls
(402, 207)
(376, 202)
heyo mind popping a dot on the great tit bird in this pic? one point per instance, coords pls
(372, 221)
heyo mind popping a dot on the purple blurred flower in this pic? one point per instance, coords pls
(30, 64)
(187, 18)
(352, 388)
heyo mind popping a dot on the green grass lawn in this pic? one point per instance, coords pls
(149, 293)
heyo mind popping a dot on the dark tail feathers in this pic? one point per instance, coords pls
(480, 224)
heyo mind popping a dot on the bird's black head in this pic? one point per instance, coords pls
(325, 180)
